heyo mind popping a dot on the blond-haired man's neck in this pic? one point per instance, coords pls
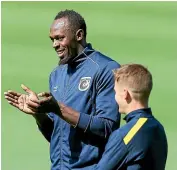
(135, 105)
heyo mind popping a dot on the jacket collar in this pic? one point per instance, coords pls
(82, 56)
(146, 112)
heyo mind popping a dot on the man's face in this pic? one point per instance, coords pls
(120, 96)
(64, 41)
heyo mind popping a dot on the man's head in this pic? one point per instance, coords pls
(68, 32)
(133, 84)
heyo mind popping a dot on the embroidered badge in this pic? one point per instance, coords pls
(84, 83)
(55, 88)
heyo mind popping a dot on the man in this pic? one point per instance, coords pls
(141, 144)
(81, 109)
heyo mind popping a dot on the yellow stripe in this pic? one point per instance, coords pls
(134, 130)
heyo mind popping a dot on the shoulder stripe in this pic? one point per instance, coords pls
(134, 130)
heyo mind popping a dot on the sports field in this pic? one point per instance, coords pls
(129, 32)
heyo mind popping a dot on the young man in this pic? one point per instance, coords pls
(82, 111)
(141, 144)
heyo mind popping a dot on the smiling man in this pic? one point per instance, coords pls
(65, 33)
(80, 112)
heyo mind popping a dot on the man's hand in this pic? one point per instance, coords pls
(45, 105)
(30, 104)
(49, 104)
(20, 100)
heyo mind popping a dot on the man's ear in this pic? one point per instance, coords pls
(79, 34)
(127, 95)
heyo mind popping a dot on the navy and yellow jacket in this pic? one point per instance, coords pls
(141, 144)
(88, 87)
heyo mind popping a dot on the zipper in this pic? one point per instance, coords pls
(61, 125)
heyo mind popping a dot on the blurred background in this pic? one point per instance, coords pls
(129, 32)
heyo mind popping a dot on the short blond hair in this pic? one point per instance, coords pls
(137, 78)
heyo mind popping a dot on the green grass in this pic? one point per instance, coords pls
(141, 32)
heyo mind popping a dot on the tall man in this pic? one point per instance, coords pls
(141, 144)
(82, 113)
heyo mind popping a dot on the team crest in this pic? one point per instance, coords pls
(84, 83)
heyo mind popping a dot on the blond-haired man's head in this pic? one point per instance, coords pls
(133, 85)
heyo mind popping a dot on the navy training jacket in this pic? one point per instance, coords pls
(88, 87)
(141, 144)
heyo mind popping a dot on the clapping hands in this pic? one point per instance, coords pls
(30, 103)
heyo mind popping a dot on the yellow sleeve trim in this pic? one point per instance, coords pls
(134, 130)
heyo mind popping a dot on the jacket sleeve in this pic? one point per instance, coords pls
(107, 117)
(45, 122)
(115, 153)
(45, 125)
